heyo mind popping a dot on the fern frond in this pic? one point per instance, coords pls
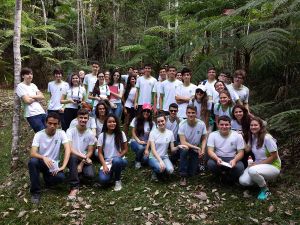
(132, 48)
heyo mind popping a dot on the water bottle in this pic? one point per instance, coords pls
(250, 160)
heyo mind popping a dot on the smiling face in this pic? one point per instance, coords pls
(161, 122)
(238, 113)
(211, 74)
(219, 86)
(224, 127)
(255, 127)
(116, 77)
(146, 113)
(82, 120)
(101, 110)
(224, 99)
(111, 123)
(95, 68)
(75, 80)
(58, 77)
(171, 73)
(186, 77)
(191, 115)
(132, 81)
(179, 76)
(173, 112)
(28, 78)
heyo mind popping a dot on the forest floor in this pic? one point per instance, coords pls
(203, 201)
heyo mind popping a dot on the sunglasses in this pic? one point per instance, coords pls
(173, 110)
(199, 92)
(147, 110)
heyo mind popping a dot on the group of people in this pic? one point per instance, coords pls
(173, 122)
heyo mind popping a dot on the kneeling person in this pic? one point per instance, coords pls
(225, 149)
(44, 155)
(82, 142)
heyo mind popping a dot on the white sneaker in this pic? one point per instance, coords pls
(118, 186)
(138, 165)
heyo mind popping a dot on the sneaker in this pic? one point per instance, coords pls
(35, 199)
(118, 186)
(154, 177)
(263, 194)
(138, 165)
(183, 181)
(73, 194)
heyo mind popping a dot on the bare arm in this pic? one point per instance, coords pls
(273, 156)
(76, 152)
(181, 99)
(161, 98)
(135, 137)
(66, 156)
(184, 142)
(237, 158)
(124, 149)
(39, 96)
(213, 156)
(63, 100)
(101, 159)
(136, 98)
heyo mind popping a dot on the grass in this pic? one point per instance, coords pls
(141, 201)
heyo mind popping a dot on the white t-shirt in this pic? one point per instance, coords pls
(198, 106)
(120, 87)
(75, 93)
(146, 129)
(168, 88)
(192, 134)
(80, 141)
(218, 111)
(130, 99)
(91, 124)
(99, 126)
(210, 89)
(110, 149)
(104, 92)
(56, 90)
(49, 146)
(187, 92)
(173, 126)
(156, 89)
(161, 140)
(90, 81)
(34, 108)
(243, 92)
(226, 146)
(236, 126)
(234, 96)
(145, 87)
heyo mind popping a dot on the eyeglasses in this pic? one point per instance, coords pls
(147, 110)
(173, 110)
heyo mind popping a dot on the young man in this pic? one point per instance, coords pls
(144, 87)
(225, 77)
(237, 86)
(210, 84)
(31, 97)
(56, 88)
(167, 90)
(156, 89)
(185, 92)
(45, 154)
(90, 79)
(82, 142)
(225, 145)
(192, 134)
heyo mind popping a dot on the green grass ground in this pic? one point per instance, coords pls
(203, 201)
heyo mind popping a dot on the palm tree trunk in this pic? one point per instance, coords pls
(17, 80)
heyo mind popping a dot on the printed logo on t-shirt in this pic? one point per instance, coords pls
(56, 141)
(198, 131)
(85, 139)
(231, 144)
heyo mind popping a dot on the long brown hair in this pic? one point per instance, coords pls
(261, 133)
(245, 122)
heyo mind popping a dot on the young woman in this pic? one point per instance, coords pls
(200, 101)
(221, 86)
(112, 147)
(224, 107)
(267, 163)
(141, 127)
(100, 91)
(102, 110)
(129, 96)
(160, 139)
(116, 93)
(72, 98)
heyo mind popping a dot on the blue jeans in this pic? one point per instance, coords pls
(118, 111)
(139, 151)
(36, 166)
(154, 164)
(118, 164)
(188, 164)
(37, 122)
(231, 173)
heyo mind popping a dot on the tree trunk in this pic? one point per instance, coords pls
(17, 80)
(78, 29)
(45, 18)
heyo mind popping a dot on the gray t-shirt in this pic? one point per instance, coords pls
(192, 134)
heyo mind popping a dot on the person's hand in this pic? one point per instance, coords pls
(232, 163)
(48, 162)
(72, 101)
(105, 169)
(54, 173)
(80, 167)
(162, 166)
(125, 111)
(146, 153)
(183, 147)
(219, 161)
(136, 106)
(201, 154)
(142, 142)
(61, 110)
(154, 110)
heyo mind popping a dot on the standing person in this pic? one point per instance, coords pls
(192, 134)
(225, 77)
(210, 82)
(91, 78)
(167, 90)
(129, 96)
(200, 101)
(112, 147)
(81, 74)
(107, 76)
(72, 98)
(31, 96)
(225, 149)
(81, 140)
(237, 85)
(44, 156)
(144, 85)
(116, 93)
(224, 107)
(184, 93)
(156, 89)
(141, 125)
(179, 76)
(124, 77)
(267, 163)
(56, 88)
(221, 86)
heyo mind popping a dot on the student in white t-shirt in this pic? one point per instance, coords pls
(185, 92)
(128, 98)
(156, 89)
(31, 97)
(141, 125)
(209, 83)
(224, 107)
(82, 142)
(91, 78)
(116, 93)
(267, 163)
(220, 86)
(168, 90)
(144, 85)
(112, 147)
(72, 98)
(101, 111)
(225, 146)
(192, 134)
(56, 88)
(45, 155)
